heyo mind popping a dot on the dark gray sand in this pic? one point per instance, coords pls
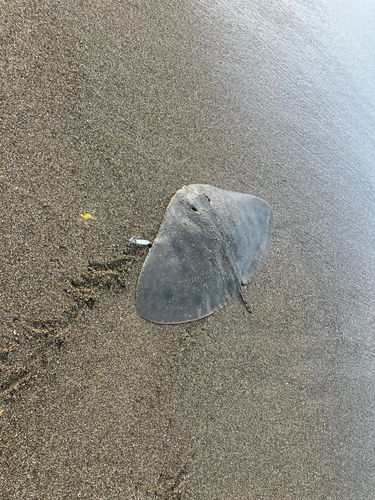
(109, 107)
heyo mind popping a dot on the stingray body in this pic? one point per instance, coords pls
(210, 244)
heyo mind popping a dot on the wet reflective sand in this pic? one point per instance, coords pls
(109, 108)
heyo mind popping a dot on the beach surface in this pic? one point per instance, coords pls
(108, 108)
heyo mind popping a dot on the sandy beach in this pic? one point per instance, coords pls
(108, 108)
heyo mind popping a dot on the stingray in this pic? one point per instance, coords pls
(210, 245)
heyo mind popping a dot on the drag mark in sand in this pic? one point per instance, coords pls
(39, 337)
(169, 486)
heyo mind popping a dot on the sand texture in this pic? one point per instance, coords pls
(108, 107)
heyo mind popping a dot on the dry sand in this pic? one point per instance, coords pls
(109, 107)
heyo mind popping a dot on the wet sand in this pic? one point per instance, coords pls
(109, 108)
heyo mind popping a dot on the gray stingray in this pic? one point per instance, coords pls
(211, 243)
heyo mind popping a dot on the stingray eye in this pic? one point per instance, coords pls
(194, 209)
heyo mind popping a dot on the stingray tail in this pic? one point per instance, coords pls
(245, 301)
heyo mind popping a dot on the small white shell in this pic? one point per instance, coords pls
(136, 241)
